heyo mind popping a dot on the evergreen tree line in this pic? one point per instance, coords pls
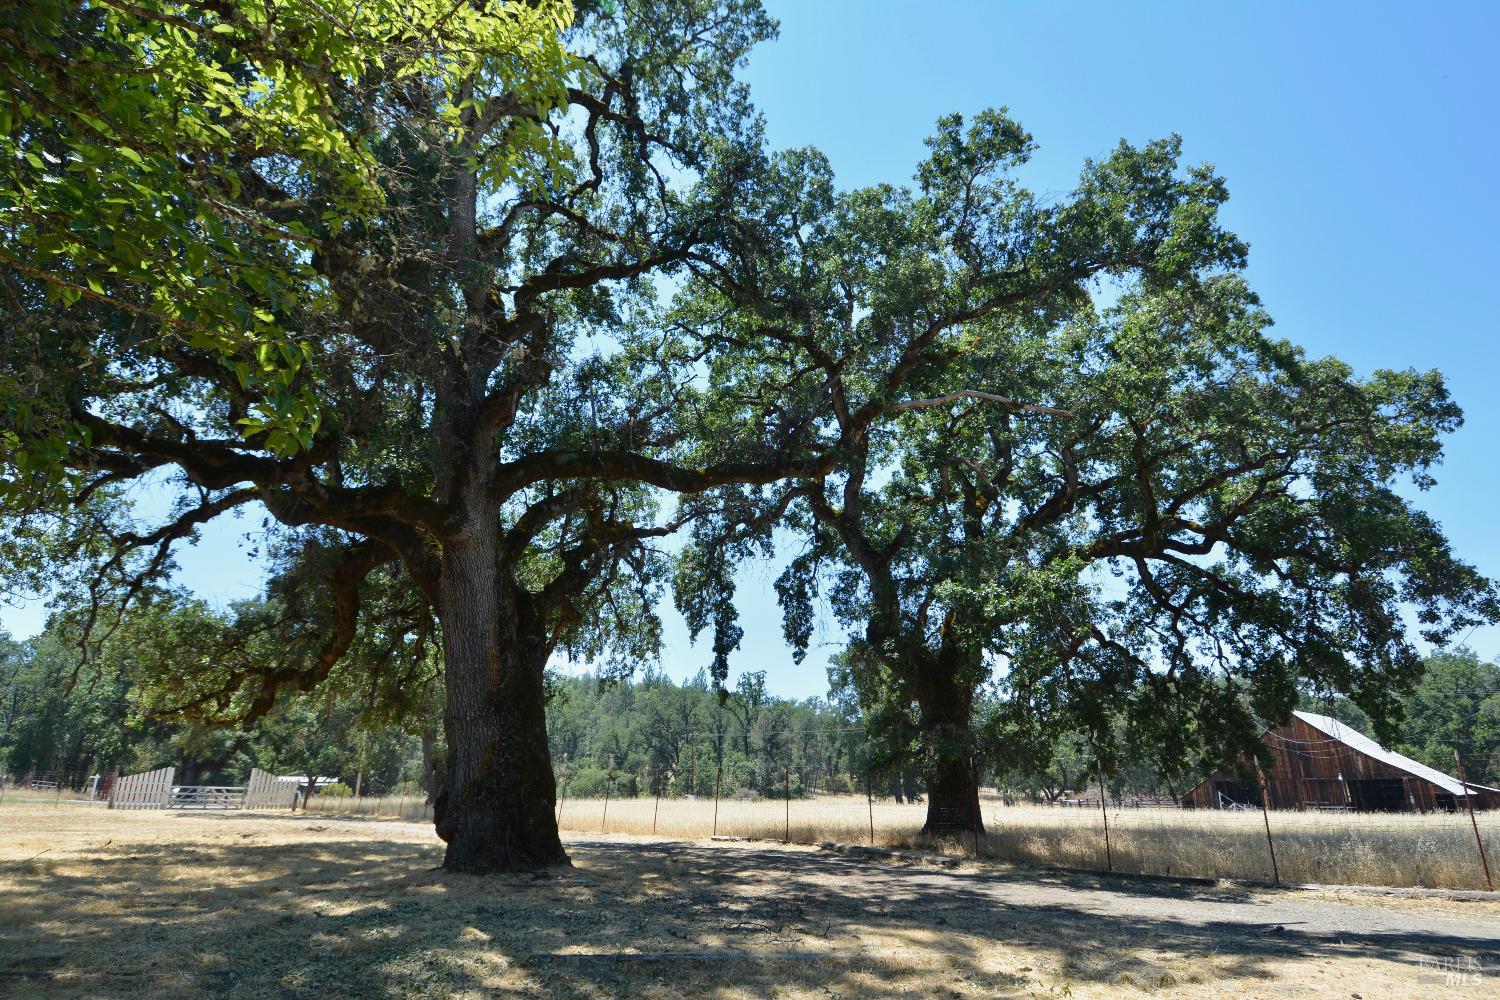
(63, 713)
(628, 736)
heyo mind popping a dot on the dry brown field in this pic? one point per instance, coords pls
(1436, 850)
(106, 904)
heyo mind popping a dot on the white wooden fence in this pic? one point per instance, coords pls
(154, 790)
(151, 790)
(269, 791)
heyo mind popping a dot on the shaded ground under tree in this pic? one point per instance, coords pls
(298, 907)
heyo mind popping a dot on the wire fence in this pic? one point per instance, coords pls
(1130, 835)
(55, 787)
(765, 799)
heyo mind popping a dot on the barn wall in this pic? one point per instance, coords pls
(1316, 770)
(1487, 799)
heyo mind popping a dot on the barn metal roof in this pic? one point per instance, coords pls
(1356, 740)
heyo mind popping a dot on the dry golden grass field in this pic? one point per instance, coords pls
(1433, 850)
(106, 904)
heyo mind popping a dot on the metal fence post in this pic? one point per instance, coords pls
(718, 778)
(1109, 854)
(978, 813)
(870, 803)
(657, 811)
(1469, 801)
(788, 838)
(562, 796)
(609, 786)
(1265, 805)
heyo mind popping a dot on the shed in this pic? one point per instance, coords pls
(1320, 763)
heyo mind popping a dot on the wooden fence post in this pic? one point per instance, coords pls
(1469, 801)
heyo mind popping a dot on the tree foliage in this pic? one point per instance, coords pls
(105, 715)
(1144, 519)
(176, 163)
(450, 295)
(1456, 706)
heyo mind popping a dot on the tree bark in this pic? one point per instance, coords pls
(945, 703)
(952, 799)
(495, 807)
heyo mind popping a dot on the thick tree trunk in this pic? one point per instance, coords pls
(952, 799)
(495, 807)
(948, 744)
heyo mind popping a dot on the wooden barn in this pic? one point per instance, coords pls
(1324, 764)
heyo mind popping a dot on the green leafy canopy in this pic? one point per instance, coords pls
(130, 132)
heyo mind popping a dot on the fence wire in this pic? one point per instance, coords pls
(843, 793)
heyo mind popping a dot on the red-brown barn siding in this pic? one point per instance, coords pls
(1313, 770)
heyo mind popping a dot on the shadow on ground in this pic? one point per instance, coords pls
(321, 917)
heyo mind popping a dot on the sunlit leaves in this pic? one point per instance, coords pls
(135, 139)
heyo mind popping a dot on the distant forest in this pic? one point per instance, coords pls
(630, 736)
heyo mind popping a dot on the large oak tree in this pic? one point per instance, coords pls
(1151, 520)
(342, 263)
(450, 293)
(390, 276)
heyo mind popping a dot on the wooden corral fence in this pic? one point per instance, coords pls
(151, 790)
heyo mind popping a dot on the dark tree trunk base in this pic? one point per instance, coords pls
(485, 862)
(496, 807)
(946, 703)
(952, 802)
(483, 843)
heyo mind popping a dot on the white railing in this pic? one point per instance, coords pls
(155, 790)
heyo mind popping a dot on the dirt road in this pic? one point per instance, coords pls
(1034, 896)
(1098, 930)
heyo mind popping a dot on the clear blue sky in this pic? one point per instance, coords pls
(1361, 142)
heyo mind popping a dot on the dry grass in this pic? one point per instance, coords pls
(145, 904)
(1434, 850)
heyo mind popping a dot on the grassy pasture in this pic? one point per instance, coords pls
(1432, 850)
